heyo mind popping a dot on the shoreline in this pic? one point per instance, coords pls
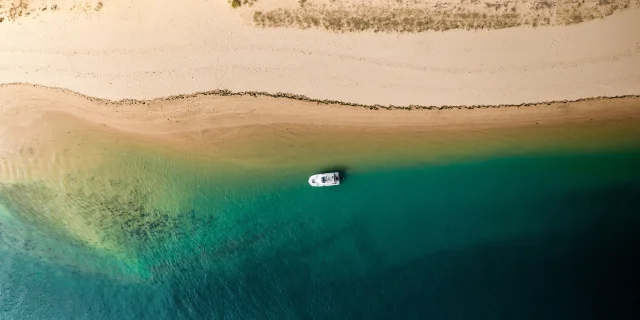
(40, 123)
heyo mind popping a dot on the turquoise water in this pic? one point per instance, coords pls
(540, 237)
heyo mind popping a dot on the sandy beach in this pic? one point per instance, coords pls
(142, 50)
(212, 80)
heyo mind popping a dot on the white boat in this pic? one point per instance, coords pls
(325, 179)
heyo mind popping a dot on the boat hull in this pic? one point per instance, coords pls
(325, 179)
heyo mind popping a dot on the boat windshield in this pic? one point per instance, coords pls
(329, 178)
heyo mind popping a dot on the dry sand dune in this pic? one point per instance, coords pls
(145, 50)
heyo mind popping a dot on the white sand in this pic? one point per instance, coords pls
(143, 49)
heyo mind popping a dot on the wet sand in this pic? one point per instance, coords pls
(39, 123)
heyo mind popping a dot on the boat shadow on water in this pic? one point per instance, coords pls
(342, 170)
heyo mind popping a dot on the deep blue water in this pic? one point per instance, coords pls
(544, 237)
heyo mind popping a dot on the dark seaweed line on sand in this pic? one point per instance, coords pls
(299, 97)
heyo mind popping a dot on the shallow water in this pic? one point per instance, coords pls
(504, 237)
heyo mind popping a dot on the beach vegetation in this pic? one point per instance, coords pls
(18, 9)
(414, 18)
(543, 5)
(239, 3)
(384, 20)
